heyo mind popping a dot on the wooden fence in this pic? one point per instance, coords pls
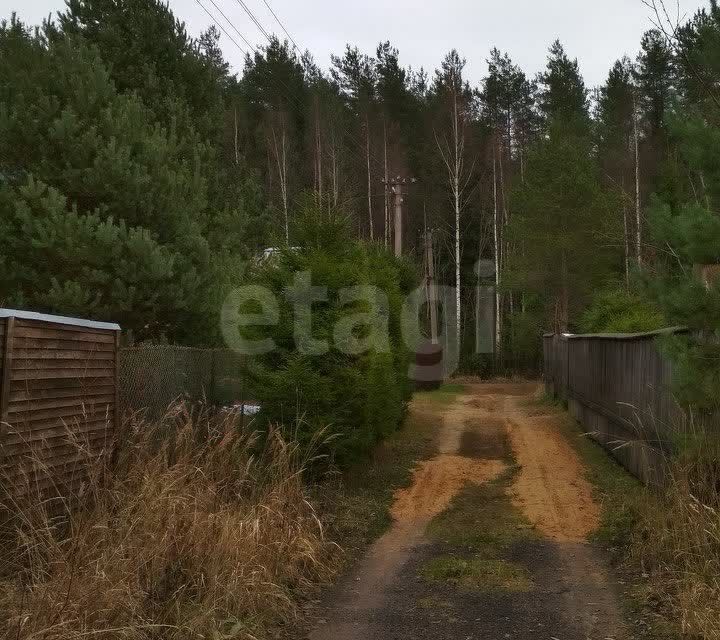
(618, 387)
(65, 384)
(57, 381)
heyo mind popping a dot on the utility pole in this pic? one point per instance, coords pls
(397, 190)
(397, 187)
(431, 285)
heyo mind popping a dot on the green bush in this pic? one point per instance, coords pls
(358, 398)
(620, 311)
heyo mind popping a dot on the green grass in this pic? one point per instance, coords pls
(476, 532)
(482, 519)
(478, 573)
(435, 603)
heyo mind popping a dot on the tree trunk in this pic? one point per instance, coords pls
(237, 150)
(638, 208)
(280, 151)
(385, 189)
(369, 177)
(456, 192)
(627, 246)
(563, 319)
(318, 152)
(496, 251)
(334, 180)
(504, 243)
(452, 150)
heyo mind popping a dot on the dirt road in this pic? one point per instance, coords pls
(489, 542)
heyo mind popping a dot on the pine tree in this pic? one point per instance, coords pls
(106, 213)
(697, 58)
(563, 96)
(655, 77)
(398, 122)
(355, 75)
(275, 94)
(616, 129)
(148, 51)
(562, 219)
(686, 230)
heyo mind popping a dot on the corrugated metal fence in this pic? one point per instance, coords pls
(618, 387)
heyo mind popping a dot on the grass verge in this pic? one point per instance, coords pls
(650, 535)
(482, 520)
(476, 534)
(201, 528)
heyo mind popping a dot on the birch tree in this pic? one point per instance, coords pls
(496, 252)
(455, 101)
(638, 205)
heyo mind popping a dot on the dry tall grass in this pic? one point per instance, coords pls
(677, 540)
(201, 529)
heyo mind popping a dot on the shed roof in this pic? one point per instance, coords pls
(44, 317)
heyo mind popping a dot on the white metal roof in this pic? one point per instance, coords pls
(44, 317)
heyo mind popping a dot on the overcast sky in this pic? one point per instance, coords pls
(597, 32)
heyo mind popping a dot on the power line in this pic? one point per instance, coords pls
(221, 27)
(245, 40)
(288, 92)
(254, 19)
(282, 26)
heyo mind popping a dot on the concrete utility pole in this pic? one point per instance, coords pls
(431, 286)
(397, 191)
(397, 186)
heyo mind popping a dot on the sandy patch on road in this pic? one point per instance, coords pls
(436, 482)
(551, 488)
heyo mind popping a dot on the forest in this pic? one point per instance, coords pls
(144, 181)
(139, 176)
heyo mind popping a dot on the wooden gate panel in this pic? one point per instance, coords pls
(58, 398)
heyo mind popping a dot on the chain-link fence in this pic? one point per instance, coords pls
(152, 377)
